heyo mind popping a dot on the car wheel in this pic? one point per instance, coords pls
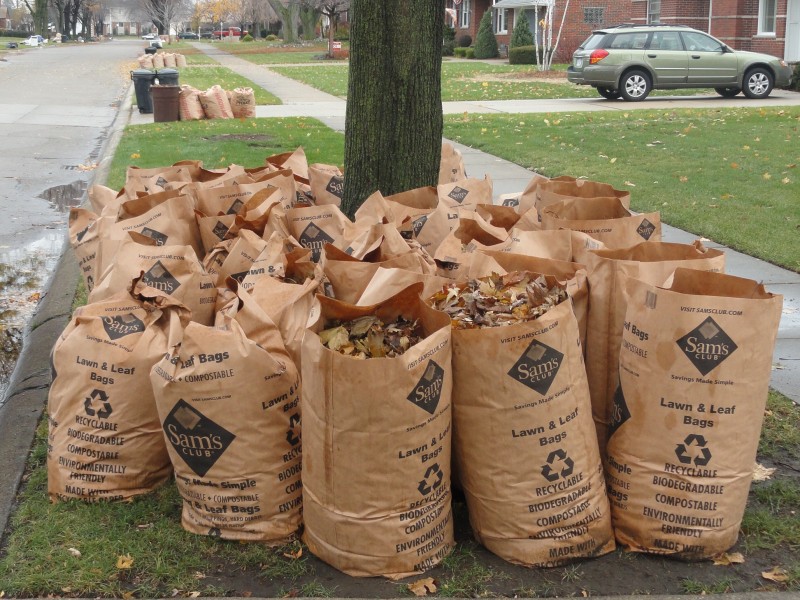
(634, 86)
(757, 83)
(728, 92)
(608, 93)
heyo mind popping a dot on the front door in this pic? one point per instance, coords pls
(791, 52)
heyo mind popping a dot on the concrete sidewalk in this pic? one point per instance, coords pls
(301, 100)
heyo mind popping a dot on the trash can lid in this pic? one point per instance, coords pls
(142, 74)
(167, 72)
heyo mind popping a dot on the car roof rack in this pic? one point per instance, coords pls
(634, 25)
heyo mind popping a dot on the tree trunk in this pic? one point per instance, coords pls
(393, 127)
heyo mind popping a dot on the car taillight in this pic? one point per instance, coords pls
(596, 56)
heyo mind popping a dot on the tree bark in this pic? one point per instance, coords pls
(393, 126)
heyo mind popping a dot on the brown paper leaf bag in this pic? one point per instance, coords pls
(104, 440)
(695, 364)
(528, 410)
(229, 408)
(376, 466)
(652, 262)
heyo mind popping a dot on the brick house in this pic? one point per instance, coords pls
(5, 20)
(771, 26)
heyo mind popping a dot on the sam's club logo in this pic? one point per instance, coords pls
(198, 440)
(707, 345)
(122, 325)
(537, 367)
(428, 391)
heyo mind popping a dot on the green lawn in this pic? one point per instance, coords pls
(467, 81)
(219, 143)
(277, 58)
(727, 174)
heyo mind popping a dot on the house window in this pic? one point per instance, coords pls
(766, 17)
(654, 11)
(594, 15)
(500, 22)
(463, 12)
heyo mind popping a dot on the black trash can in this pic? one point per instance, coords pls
(167, 76)
(142, 80)
(151, 50)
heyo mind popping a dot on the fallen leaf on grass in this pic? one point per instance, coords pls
(193, 595)
(630, 184)
(786, 180)
(247, 594)
(683, 179)
(125, 561)
(423, 587)
(776, 574)
(762, 473)
(128, 595)
(766, 176)
(294, 555)
(144, 526)
(75, 552)
(725, 559)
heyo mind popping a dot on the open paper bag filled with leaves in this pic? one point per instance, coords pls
(527, 410)
(376, 436)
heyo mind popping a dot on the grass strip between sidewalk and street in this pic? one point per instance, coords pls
(727, 174)
(203, 77)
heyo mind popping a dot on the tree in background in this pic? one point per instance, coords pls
(393, 126)
(521, 36)
(333, 9)
(38, 11)
(288, 13)
(485, 42)
(309, 18)
(164, 13)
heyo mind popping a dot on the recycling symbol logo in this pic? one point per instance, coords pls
(220, 230)
(432, 480)
(160, 238)
(645, 229)
(559, 466)
(458, 194)
(292, 435)
(98, 398)
(693, 445)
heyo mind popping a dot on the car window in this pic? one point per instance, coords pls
(593, 41)
(666, 40)
(628, 41)
(698, 42)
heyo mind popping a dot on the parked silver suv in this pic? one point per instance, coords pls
(630, 61)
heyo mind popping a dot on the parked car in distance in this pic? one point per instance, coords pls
(629, 61)
(206, 35)
(150, 36)
(188, 35)
(34, 40)
(230, 31)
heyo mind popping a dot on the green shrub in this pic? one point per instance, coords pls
(448, 47)
(460, 52)
(486, 43)
(15, 33)
(448, 34)
(470, 52)
(464, 41)
(272, 37)
(521, 35)
(247, 38)
(522, 55)
(794, 84)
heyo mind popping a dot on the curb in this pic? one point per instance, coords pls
(26, 395)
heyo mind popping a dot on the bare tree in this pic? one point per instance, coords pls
(288, 12)
(163, 13)
(333, 9)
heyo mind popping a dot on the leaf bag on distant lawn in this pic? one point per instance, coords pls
(228, 400)
(105, 441)
(376, 434)
(695, 365)
(523, 436)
